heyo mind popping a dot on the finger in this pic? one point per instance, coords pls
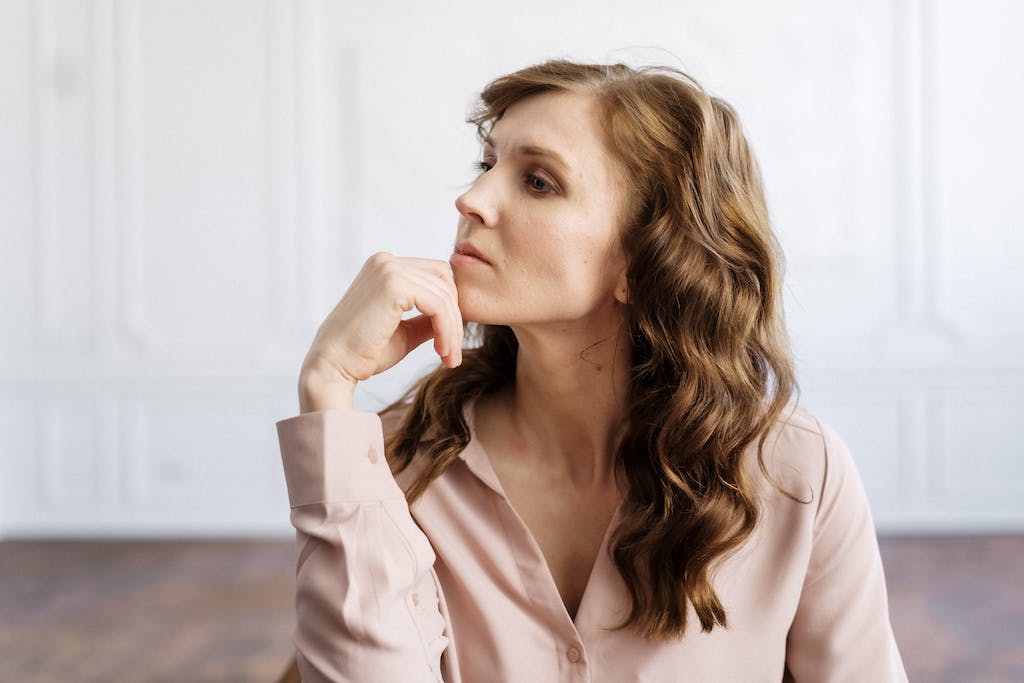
(455, 318)
(419, 275)
(443, 271)
(460, 327)
(440, 269)
(416, 330)
(440, 302)
(454, 337)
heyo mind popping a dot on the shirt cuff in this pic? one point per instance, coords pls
(335, 456)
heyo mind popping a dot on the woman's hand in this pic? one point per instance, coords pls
(365, 335)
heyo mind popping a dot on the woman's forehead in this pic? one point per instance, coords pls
(556, 120)
(561, 124)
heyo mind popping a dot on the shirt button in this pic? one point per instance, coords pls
(415, 598)
(372, 455)
(573, 654)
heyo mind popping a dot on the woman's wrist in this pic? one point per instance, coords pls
(322, 389)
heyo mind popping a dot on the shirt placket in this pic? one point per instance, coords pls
(540, 587)
(536, 577)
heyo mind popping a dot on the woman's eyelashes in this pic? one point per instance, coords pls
(538, 184)
(535, 183)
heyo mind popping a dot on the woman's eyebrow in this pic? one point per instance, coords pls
(534, 151)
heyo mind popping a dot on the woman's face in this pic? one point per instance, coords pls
(544, 215)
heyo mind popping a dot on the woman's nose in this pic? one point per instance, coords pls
(477, 203)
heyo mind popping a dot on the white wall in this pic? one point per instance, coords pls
(187, 188)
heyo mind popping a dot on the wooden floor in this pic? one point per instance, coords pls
(957, 606)
(202, 611)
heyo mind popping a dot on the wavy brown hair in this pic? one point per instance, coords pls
(711, 371)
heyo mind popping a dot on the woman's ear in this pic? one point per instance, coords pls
(622, 288)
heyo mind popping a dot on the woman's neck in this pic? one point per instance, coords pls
(567, 406)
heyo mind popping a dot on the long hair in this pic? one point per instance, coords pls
(711, 371)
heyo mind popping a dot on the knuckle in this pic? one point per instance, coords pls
(392, 284)
(391, 274)
(380, 259)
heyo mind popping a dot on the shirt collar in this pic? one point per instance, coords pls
(474, 455)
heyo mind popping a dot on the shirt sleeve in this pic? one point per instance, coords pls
(841, 630)
(367, 601)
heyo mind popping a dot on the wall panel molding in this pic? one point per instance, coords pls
(920, 332)
(976, 450)
(130, 181)
(974, 107)
(149, 179)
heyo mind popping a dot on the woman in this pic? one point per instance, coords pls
(609, 483)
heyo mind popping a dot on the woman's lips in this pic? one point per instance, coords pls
(467, 254)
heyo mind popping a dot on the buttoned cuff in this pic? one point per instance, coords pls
(335, 456)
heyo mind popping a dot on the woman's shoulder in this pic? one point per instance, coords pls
(805, 455)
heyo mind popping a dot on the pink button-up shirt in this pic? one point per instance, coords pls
(458, 589)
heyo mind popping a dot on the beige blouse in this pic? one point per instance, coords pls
(458, 589)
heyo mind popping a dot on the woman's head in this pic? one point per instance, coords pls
(710, 369)
(543, 214)
(689, 210)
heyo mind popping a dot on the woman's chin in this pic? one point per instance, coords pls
(478, 312)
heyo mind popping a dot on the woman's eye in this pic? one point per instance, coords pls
(537, 184)
(482, 166)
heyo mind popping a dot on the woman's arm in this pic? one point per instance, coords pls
(367, 601)
(841, 631)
